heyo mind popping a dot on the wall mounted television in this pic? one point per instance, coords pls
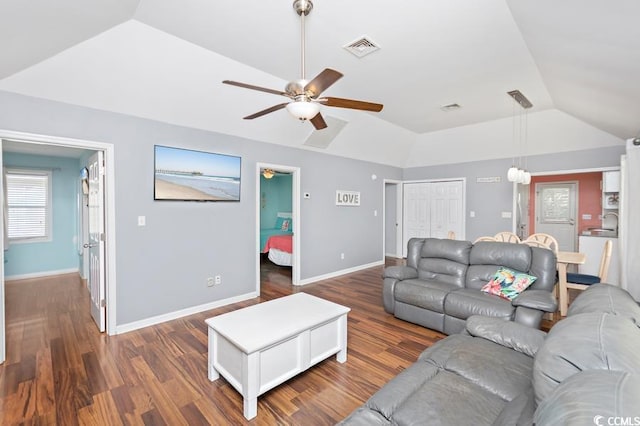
(188, 175)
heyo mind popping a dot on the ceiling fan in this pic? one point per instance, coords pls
(304, 94)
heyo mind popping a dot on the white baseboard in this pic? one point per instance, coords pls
(40, 274)
(136, 325)
(339, 273)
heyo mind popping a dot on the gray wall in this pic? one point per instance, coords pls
(489, 200)
(163, 266)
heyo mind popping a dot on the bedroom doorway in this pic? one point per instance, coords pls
(278, 219)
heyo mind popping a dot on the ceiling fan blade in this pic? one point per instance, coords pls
(322, 81)
(252, 87)
(266, 111)
(351, 103)
(318, 122)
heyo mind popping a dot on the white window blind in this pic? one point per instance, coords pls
(28, 205)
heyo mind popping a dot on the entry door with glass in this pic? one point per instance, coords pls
(556, 212)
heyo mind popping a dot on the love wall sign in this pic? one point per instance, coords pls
(347, 198)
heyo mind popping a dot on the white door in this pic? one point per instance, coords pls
(96, 239)
(432, 209)
(3, 352)
(556, 212)
(416, 213)
(446, 209)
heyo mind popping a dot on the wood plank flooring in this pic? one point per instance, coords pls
(60, 370)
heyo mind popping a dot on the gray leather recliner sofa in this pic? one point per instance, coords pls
(439, 288)
(585, 371)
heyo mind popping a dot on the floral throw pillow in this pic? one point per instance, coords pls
(508, 284)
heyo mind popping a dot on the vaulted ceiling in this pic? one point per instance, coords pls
(165, 60)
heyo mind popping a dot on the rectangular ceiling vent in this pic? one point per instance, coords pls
(450, 107)
(362, 46)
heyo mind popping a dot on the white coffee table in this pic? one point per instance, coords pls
(258, 347)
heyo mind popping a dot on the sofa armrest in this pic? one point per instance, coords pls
(400, 272)
(541, 300)
(509, 334)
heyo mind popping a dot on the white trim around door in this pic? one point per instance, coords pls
(295, 217)
(110, 218)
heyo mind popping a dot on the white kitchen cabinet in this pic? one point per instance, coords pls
(592, 247)
(611, 181)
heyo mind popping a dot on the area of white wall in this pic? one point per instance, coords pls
(549, 131)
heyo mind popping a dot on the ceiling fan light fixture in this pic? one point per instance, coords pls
(268, 173)
(303, 110)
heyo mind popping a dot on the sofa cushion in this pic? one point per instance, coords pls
(487, 256)
(457, 381)
(449, 399)
(606, 298)
(424, 294)
(444, 270)
(590, 341)
(506, 333)
(444, 260)
(496, 368)
(465, 302)
(592, 397)
(582, 279)
(544, 267)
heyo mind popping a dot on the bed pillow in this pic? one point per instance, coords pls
(508, 284)
(283, 224)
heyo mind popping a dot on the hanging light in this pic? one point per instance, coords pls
(512, 174)
(518, 174)
(268, 173)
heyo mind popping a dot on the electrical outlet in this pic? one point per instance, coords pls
(218, 279)
(210, 282)
(342, 256)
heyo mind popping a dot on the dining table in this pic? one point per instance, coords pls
(564, 259)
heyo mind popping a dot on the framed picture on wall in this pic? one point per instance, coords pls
(188, 175)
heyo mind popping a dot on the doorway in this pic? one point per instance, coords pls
(392, 221)
(433, 209)
(274, 210)
(557, 211)
(39, 144)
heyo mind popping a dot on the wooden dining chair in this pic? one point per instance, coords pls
(546, 241)
(507, 237)
(583, 281)
(542, 240)
(484, 239)
(451, 235)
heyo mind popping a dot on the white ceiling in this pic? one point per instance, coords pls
(165, 60)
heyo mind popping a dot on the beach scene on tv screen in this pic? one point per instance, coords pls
(182, 174)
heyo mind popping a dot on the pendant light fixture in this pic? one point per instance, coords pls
(519, 174)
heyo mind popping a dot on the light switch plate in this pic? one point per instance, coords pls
(142, 220)
(506, 215)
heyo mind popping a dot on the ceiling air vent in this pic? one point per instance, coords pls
(362, 47)
(450, 107)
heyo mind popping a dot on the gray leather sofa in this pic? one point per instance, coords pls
(585, 371)
(439, 288)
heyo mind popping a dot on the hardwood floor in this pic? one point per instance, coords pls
(60, 370)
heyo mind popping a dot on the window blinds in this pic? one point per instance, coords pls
(27, 205)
